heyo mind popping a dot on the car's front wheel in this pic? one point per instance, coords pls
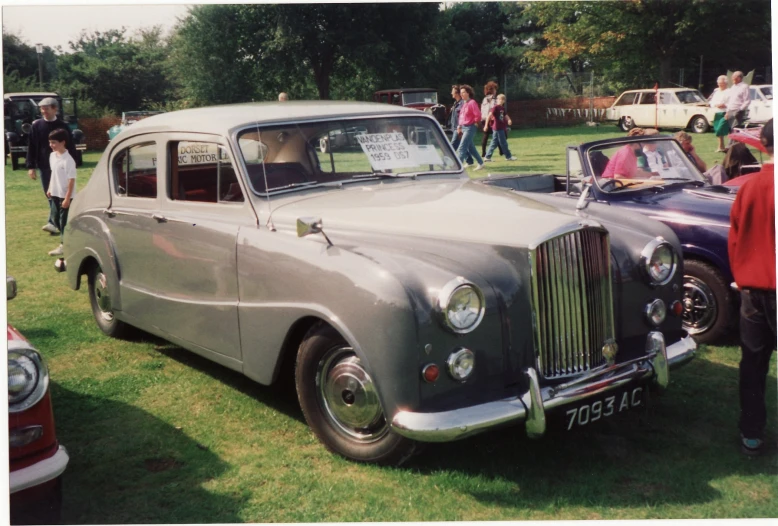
(626, 124)
(340, 402)
(100, 297)
(324, 145)
(700, 124)
(708, 309)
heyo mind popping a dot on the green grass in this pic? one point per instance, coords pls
(159, 435)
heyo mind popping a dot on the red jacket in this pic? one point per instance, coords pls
(752, 232)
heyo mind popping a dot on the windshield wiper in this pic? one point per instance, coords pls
(293, 185)
(696, 183)
(625, 185)
(375, 174)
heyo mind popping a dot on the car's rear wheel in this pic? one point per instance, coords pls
(700, 124)
(100, 297)
(340, 403)
(708, 309)
(626, 124)
(324, 145)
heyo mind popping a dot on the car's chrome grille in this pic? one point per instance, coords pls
(572, 301)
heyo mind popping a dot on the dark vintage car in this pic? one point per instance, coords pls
(21, 109)
(674, 193)
(423, 99)
(399, 295)
(37, 460)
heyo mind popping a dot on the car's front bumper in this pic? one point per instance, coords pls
(531, 407)
(40, 472)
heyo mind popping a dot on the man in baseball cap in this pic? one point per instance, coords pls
(38, 149)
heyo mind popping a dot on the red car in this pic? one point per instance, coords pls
(36, 458)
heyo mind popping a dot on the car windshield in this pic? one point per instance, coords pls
(284, 157)
(767, 91)
(690, 97)
(642, 164)
(421, 97)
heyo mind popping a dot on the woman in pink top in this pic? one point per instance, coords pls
(469, 118)
(623, 165)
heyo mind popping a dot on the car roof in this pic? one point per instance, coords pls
(221, 120)
(29, 95)
(666, 90)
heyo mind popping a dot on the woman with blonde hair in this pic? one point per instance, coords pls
(718, 100)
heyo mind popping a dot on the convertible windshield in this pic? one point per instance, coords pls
(421, 97)
(691, 97)
(305, 154)
(642, 164)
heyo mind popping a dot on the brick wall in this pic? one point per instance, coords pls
(556, 112)
(96, 131)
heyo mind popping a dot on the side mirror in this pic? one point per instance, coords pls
(308, 225)
(10, 287)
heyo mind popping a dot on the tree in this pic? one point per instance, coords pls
(307, 50)
(115, 71)
(638, 41)
(20, 65)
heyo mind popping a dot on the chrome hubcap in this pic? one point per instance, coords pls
(103, 297)
(699, 306)
(348, 396)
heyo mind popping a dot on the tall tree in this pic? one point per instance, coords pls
(638, 41)
(20, 64)
(115, 71)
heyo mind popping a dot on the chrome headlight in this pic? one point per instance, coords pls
(28, 378)
(462, 305)
(461, 364)
(659, 261)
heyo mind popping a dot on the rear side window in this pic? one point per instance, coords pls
(627, 98)
(202, 172)
(648, 98)
(135, 171)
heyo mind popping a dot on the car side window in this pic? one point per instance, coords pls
(648, 98)
(135, 171)
(626, 99)
(667, 98)
(202, 172)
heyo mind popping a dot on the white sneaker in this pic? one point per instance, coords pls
(512, 159)
(478, 167)
(56, 252)
(48, 227)
(487, 160)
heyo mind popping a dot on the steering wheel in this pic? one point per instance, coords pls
(611, 181)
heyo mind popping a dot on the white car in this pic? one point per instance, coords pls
(760, 110)
(679, 108)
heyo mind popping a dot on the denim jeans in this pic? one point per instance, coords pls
(498, 139)
(467, 145)
(455, 140)
(757, 343)
(59, 215)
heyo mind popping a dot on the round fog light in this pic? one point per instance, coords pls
(461, 364)
(656, 311)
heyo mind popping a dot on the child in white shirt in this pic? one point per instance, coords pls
(62, 186)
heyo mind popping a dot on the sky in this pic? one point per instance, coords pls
(55, 25)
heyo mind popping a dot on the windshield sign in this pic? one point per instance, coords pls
(691, 97)
(644, 164)
(422, 97)
(310, 154)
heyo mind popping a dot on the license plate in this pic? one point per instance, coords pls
(592, 410)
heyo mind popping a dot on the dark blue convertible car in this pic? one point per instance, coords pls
(652, 175)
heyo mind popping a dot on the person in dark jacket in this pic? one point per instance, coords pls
(751, 251)
(38, 149)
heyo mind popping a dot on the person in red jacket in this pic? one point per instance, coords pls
(752, 258)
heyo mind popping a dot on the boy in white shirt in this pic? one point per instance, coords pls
(62, 186)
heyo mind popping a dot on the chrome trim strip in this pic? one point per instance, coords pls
(40, 472)
(532, 406)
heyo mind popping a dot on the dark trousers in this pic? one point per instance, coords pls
(757, 343)
(59, 215)
(45, 177)
(736, 120)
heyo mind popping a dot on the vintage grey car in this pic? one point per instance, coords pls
(409, 303)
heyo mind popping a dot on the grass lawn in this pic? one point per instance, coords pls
(159, 435)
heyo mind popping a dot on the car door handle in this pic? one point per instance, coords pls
(159, 217)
